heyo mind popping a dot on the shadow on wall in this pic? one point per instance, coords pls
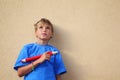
(74, 70)
(60, 40)
(58, 37)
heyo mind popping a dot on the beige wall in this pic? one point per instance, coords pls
(86, 31)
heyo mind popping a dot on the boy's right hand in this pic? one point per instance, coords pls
(28, 68)
(44, 57)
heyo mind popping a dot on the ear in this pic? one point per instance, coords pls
(35, 33)
(51, 35)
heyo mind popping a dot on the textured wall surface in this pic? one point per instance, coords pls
(86, 31)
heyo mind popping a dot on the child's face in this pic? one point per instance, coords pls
(44, 31)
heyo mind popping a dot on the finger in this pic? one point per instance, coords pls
(48, 55)
(47, 58)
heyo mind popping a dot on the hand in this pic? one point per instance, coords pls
(44, 57)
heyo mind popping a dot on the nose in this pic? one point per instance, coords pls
(44, 29)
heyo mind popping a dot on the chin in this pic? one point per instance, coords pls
(45, 38)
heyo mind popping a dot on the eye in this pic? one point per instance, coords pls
(40, 27)
(47, 27)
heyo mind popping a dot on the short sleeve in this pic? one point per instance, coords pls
(23, 54)
(59, 65)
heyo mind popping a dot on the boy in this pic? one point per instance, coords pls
(46, 67)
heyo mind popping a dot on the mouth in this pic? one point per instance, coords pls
(44, 34)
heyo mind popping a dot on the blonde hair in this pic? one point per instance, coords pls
(46, 21)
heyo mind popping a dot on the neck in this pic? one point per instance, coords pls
(43, 42)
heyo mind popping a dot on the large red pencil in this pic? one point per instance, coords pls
(36, 57)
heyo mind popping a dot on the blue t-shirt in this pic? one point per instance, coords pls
(46, 70)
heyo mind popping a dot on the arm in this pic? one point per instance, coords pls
(28, 68)
(58, 77)
(24, 70)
